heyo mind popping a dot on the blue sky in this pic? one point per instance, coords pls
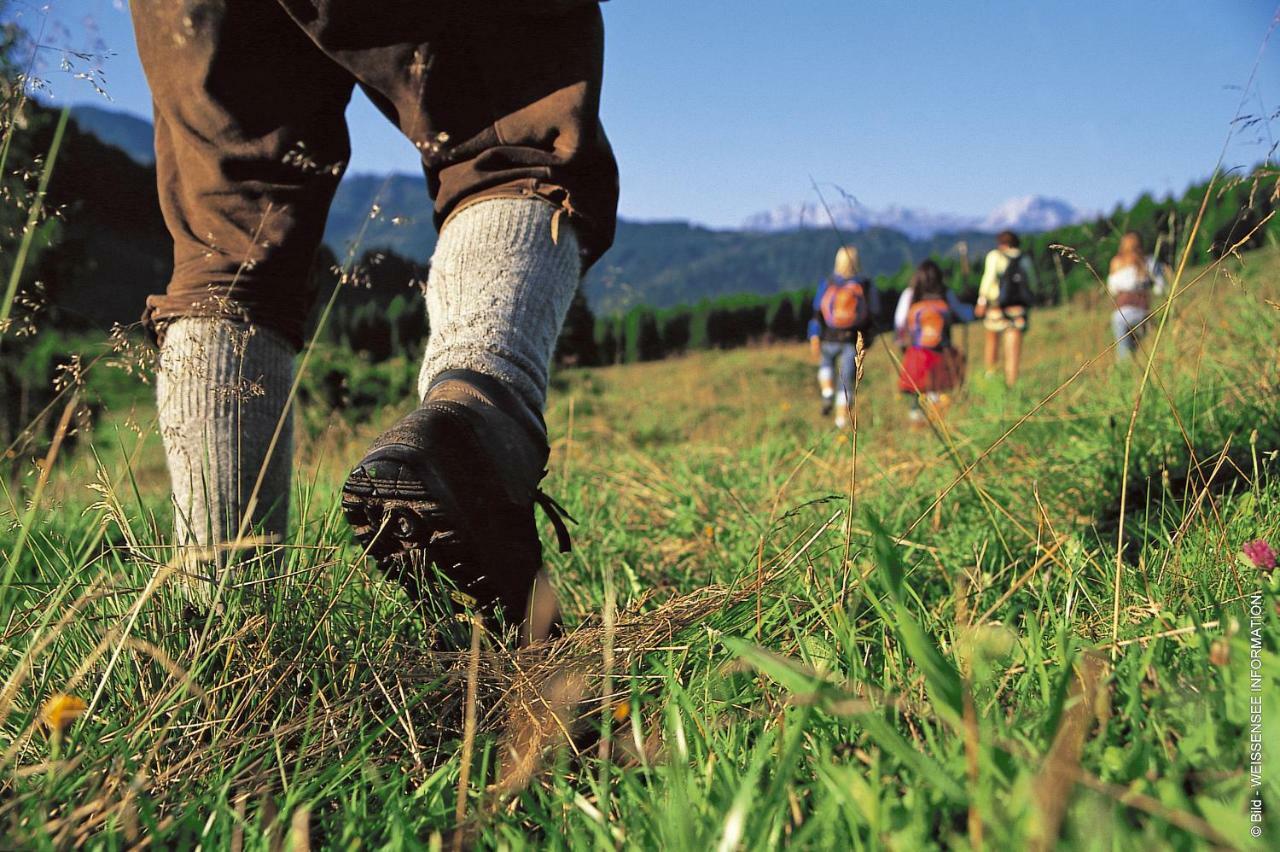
(722, 108)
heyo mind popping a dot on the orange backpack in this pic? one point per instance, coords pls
(927, 324)
(844, 305)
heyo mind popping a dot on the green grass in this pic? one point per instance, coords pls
(923, 660)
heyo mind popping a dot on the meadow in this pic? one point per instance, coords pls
(1027, 625)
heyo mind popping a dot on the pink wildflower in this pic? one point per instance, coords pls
(1260, 554)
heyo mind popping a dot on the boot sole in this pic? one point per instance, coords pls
(397, 505)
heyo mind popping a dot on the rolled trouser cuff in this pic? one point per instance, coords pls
(594, 222)
(240, 303)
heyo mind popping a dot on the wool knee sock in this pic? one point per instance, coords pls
(498, 291)
(220, 390)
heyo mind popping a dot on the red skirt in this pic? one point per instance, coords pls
(924, 370)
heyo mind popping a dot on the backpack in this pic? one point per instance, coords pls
(927, 324)
(844, 305)
(1015, 284)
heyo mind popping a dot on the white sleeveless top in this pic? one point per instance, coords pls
(1130, 279)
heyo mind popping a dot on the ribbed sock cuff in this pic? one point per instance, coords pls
(221, 389)
(499, 288)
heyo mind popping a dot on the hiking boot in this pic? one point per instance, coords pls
(453, 485)
(828, 405)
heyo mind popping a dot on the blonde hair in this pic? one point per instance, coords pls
(1130, 252)
(847, 264)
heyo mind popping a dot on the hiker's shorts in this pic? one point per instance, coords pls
(251, 137)
(1005, 319)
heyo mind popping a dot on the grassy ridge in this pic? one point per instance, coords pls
(937, 656)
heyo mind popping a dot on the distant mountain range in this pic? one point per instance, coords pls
(1028, 213)
(659, 264)
(405, 225)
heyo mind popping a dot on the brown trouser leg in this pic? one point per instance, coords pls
(251, 140)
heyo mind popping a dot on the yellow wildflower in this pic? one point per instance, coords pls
(61, 710)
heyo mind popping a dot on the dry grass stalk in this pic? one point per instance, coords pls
(1087, 703)
(468, 735)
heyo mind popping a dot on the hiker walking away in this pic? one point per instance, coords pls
(960, 312)
(931, 364)
(1131, 281)
(844, 309)
(251, 141)
(1004, 304)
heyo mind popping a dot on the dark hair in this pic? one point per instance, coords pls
(1008, 239)
(927, 283)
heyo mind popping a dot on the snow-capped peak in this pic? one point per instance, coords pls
(1028, 214)
(1032, 213)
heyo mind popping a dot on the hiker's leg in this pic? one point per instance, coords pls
(1127, 325)
(502, 100)
(848, 379)
(250, 143)
(991, 350)
(827, 371)
(915, 414)
(504, 272)
(1012, 355)
(1120, 331)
